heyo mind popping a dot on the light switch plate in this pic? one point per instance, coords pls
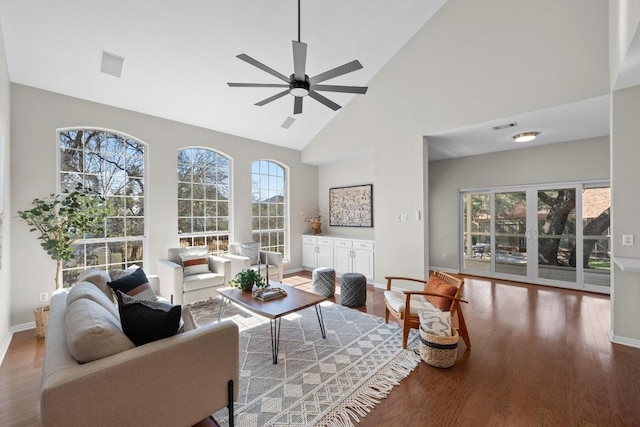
(627, 240)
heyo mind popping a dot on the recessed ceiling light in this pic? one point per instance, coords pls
(525, 137)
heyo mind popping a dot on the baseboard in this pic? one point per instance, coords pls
(294, 270)
(445, 270)
(623, 341)
(9, 337)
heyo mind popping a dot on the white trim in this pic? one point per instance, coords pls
(623, 340)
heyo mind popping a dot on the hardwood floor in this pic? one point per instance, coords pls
(540, 356)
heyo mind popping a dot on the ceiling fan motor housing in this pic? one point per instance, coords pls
(298, 87)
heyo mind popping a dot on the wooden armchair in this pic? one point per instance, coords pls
(445, 298)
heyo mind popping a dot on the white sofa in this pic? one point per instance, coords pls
(270, 263)
(175, 381)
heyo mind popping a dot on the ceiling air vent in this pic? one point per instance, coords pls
(112, 64)
(287, 122)
(505, 126)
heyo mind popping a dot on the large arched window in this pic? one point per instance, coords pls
(270, 205)
(113, 165)
(203, 199)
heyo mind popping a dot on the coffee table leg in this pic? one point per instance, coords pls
(275, 338)
(223, 302)
(320, 320)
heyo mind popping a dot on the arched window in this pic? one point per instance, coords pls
(270, 206)
(113, 165)
(203, 199)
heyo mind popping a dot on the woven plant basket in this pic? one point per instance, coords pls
(41, 315)
(438, 351)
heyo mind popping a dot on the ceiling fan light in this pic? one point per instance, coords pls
(525, 137)
(299, 92)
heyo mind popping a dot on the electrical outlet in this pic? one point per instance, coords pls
(444, 256)
(627, 240)
(44, 297)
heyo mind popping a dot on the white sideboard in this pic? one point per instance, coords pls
(343, 255)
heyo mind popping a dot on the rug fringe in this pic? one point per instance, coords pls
(369, 394)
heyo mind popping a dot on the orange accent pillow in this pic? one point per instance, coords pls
(438, 286)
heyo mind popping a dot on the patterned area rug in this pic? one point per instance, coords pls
(317, 382)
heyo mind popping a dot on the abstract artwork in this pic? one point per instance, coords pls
(351, 206)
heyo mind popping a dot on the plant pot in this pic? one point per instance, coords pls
(316, 227)
(41, 315)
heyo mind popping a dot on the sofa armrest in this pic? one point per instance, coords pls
(237, 264)
(176, 381)
(171, 279)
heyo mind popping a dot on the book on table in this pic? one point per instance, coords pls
(269, 294)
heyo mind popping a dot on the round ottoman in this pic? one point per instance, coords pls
(324, 281)
(353, 288)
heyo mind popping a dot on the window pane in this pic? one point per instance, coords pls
(268, 207)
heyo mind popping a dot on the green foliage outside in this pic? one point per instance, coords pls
(64, 218)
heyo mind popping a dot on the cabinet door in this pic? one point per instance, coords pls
(325, 256)
(309, 255)
(363, 262)
(342, 260)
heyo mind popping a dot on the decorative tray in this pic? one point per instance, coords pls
(267, 294)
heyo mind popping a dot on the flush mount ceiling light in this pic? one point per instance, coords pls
(525, 137)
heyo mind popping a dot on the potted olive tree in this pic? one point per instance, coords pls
(61, 219)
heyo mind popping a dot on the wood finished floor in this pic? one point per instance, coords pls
(540, 357)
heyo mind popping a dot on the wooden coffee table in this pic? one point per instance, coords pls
(275, 309)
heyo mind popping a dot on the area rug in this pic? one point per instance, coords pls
(317, 382)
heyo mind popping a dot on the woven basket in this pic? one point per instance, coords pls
(41, 315)
(438, 351)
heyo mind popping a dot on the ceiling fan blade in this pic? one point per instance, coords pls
(250, 60)
(323, 100)
(272, 98)
(257, 85)
(335, 72)
(297, 105)
(299, 60)
(348, 89)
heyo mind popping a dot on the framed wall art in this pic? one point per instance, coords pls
(351, 206)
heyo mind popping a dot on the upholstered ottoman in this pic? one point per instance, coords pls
(353, 288)
(324, 281)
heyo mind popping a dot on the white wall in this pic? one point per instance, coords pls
(36, 115)
(5, 202)
(473, 62)
(625, 176)
(564, 162)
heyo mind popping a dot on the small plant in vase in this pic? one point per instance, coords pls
(316, 222)
(247, 279)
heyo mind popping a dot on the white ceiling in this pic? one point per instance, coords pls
(179, 57)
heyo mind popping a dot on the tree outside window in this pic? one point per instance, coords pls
(269, 205)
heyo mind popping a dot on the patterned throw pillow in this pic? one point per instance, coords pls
(252, 251)
(436, 322)
(147, 321)
(194, 264)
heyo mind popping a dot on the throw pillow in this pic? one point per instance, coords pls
(252, 251)
(438, 286)
(194, 264)
(147, 321)
(135, 283)
(92, 332)
(99, 278)
(436, 322)
(90, 291)
(117, 274)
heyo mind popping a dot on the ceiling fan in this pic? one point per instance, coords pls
(299, 84)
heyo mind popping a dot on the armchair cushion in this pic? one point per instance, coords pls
(201, 281)
(194, 264)
(251, 250)
(396, 300)
(438, 286)
(145, 321)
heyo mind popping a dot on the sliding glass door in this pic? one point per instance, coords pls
(532, 234)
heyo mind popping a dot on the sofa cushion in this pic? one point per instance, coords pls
(135, 283)
(438, 286)
(99, 278)
(251, 250)
(146, 321)
(194, 264)
(92, 292)
(92, 332)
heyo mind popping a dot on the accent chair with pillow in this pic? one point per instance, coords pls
(248, 255)
(442, 292)
(190, 274)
